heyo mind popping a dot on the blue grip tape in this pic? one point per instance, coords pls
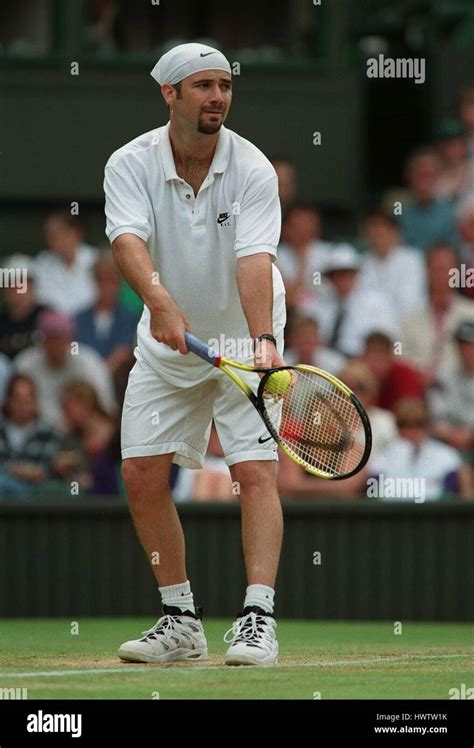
(201, 349)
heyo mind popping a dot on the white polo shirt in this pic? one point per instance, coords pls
(66, 288)
(401, 276)
(433, 463)
(195, 241)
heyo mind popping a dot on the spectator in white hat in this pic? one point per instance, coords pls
(346, 312)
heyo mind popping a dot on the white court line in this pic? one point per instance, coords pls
(149, 668)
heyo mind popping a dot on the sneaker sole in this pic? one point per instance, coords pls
(242, 659)
(176, 655)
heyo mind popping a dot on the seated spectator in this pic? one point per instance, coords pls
(346, 313)
(212, 483)
(466, 114)
(305, 347)
(456, 170)
(286, 174)
(28, 445)
(294, 482)
(64, 279)
(362, 382)
(396, 379)
(130, 300)
(389, 267)
(99, 32)
(302, 256)
(426, 333)
(94, 429)
(433, 469)
(20, 312)
(5, 372)
(56, 360)
(465, 224)
(108, 327)
(453, 404)
(428, 218)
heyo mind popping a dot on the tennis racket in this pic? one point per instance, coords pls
(313, 416)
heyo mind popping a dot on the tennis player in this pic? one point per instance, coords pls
(193, 216)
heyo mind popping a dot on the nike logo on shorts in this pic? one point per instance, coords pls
(261, 440)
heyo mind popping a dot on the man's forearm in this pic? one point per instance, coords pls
(168, 324)
(136, 265)
(255, 284)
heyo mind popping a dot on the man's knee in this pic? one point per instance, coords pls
(255, 474)
(147, 473)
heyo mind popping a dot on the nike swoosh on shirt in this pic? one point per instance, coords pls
(262, 441)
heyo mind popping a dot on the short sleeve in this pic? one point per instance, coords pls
(127, 208)
(258, 223)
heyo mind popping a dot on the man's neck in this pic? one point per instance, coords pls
(18, 314)
(302, 247)
(425, 201)
(441, 301)
(382, 251)
(19, 422)
(69, 256)
(104, 306)
(191, 148)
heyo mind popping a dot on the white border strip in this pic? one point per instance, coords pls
(151, 666)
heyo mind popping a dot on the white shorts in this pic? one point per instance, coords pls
(160, 417)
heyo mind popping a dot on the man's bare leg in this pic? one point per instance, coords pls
(155, 517)
(159, 530)
(254, 633)
(262, 519)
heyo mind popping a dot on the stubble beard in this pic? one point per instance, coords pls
(209, 128)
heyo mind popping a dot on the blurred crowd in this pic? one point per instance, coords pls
(66, 347)
(391, 313)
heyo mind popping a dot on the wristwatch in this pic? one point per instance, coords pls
(266, 336)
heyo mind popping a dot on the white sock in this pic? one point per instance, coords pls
(260, 595)
(179, 596)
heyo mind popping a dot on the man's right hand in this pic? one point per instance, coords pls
(168, 325)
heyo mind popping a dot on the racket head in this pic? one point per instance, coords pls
(317, 421)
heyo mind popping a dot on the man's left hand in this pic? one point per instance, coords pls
(266, 355)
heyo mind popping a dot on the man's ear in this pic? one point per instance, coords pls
(167, 93)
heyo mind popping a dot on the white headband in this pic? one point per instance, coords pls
(186, 59)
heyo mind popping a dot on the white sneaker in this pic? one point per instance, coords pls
(176, 636)
(253, 639)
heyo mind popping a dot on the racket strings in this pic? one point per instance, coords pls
(318, 423)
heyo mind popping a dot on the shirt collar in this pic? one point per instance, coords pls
(219, 161)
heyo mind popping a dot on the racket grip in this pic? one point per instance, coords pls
(201, 349)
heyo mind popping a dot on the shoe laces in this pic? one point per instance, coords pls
(163, 626)
(250, 627)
